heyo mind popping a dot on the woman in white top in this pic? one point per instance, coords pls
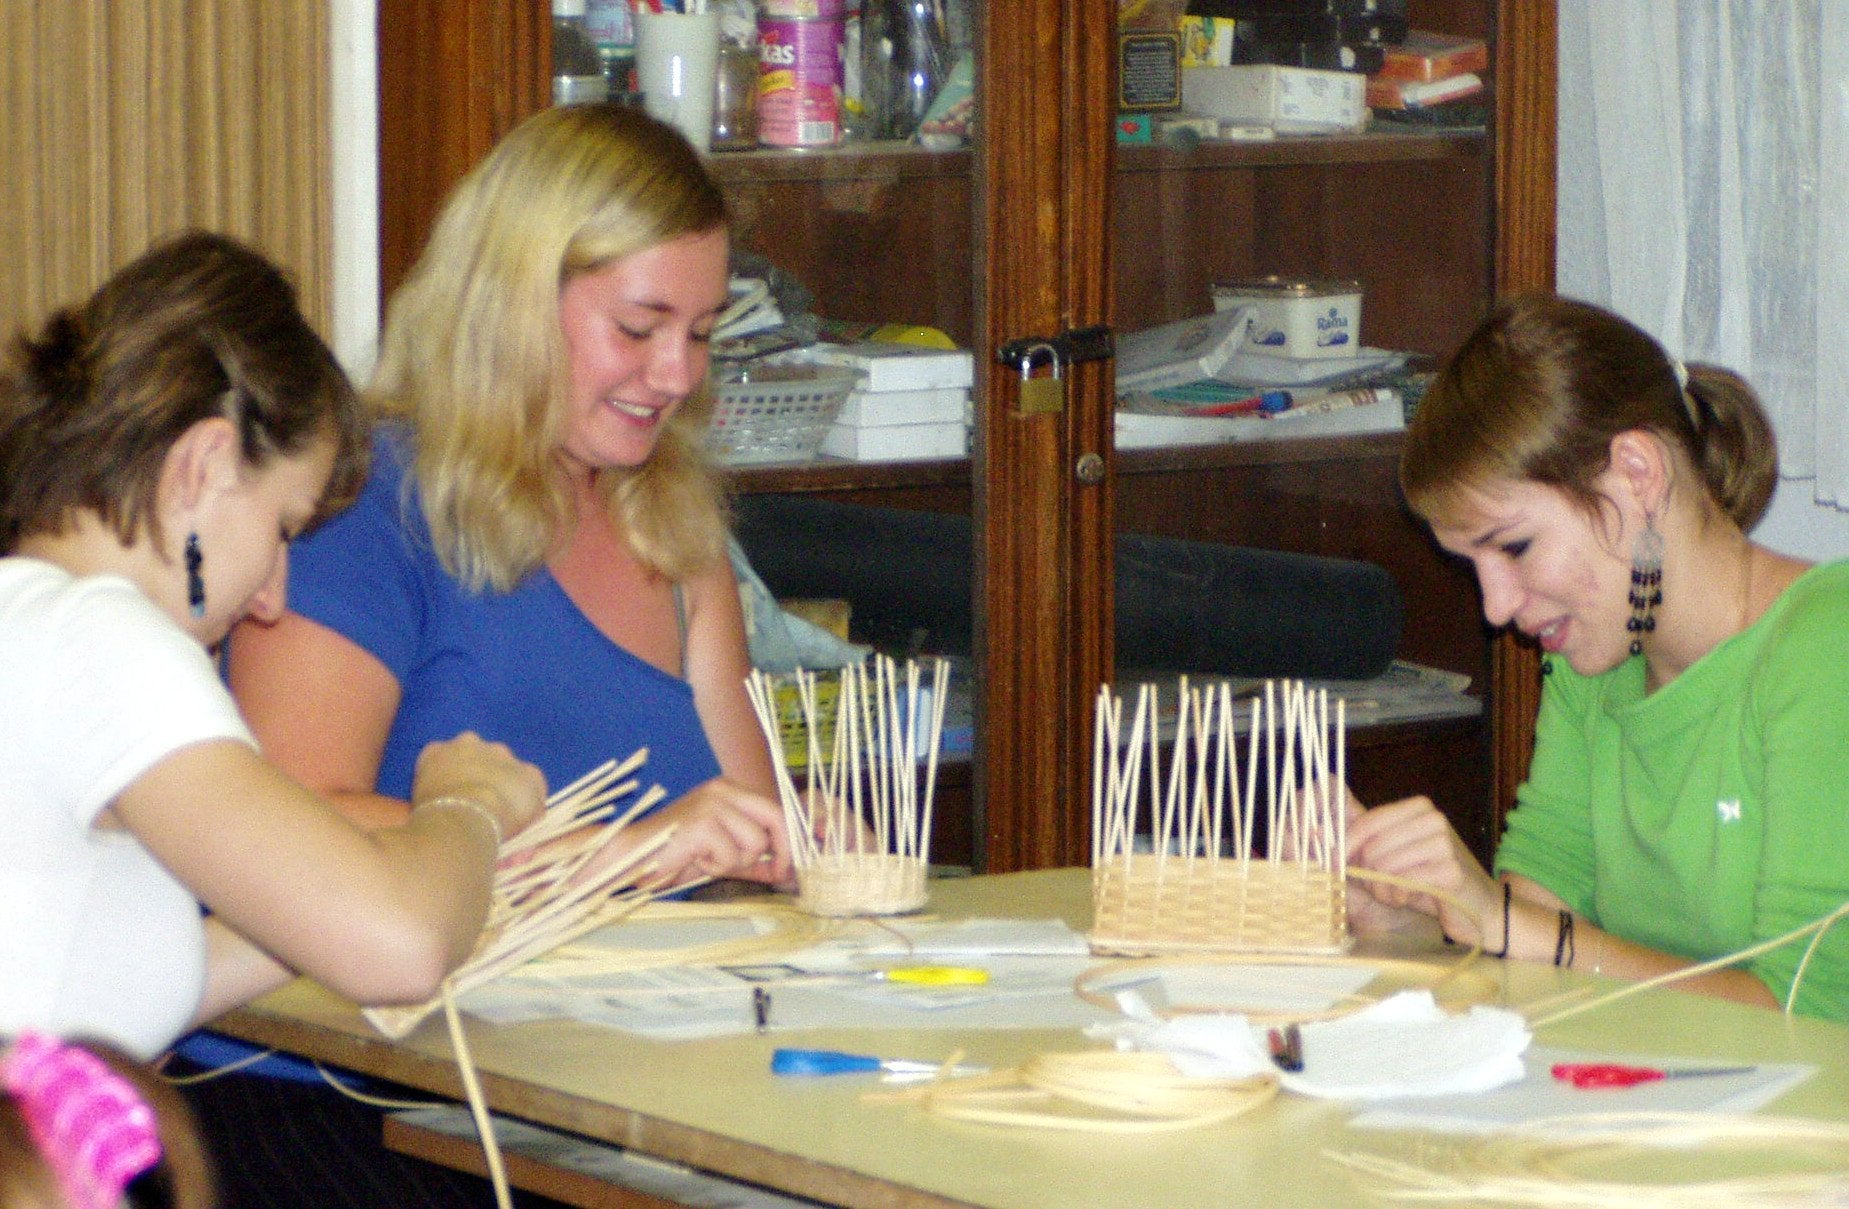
(159, 446)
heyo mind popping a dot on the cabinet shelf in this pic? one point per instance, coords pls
(794, 477)
(888, 160)
(842, 476)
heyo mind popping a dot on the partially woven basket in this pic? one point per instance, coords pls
(861, 883)
(1145, 905)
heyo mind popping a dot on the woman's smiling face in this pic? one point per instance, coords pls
(636, 335)
(1548, 568)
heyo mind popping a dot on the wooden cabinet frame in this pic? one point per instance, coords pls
(455, 77)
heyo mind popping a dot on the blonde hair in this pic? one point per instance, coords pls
(473, 358)
(1539, 390)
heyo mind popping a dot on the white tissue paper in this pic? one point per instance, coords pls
(1404, 1045)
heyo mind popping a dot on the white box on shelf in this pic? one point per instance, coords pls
(874, 409)
(1290, 100)
(1174, 354)
(901, 366)
(897, 442)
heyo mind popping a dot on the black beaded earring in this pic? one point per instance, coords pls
(195, 582)
(1646, 584)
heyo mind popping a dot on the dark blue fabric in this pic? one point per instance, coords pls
(524, 667)
(1184, 606)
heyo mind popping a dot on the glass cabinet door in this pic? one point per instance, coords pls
(992, 241)
(1037, 230)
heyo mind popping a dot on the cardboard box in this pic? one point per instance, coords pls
(897, 442)
(877, 409)
(901, 366)
(1291, 100)
(1424, 56)
(1383, 93)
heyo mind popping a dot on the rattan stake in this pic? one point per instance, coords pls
(868, 774)
(542, 896)
(1183, 891)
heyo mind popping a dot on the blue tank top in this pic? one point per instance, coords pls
(523, 667)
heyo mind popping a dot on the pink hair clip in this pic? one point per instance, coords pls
(90, 1124)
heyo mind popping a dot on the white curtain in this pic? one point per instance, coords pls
(1704, 195)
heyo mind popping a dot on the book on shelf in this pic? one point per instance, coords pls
(1139, 430)
(897, 442)
(1411, 94)
(1187, 350)
(878, 408)
(1261, 370)
(1425, 56)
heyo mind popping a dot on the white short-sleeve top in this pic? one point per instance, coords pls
(97, 685)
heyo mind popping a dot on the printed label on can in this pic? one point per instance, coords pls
(803, 10)
(799, 82)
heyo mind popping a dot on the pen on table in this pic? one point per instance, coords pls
(933, 976)
(1287, 1048)
(760, 1008)
(838, 1062)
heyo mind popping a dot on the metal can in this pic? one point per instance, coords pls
(1296, 317)
(800, 72)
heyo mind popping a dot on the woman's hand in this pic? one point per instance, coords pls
(830, 815)
(1411, 839)
(470, 767)
(720, 830)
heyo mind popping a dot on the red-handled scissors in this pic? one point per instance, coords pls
(1613, 1074)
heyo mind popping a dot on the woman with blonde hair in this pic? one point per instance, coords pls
(540, 553)
(1685, 800)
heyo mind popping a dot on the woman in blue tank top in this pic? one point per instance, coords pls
(540, 553)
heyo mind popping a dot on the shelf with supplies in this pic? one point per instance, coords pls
(834, 475)
(873, 160)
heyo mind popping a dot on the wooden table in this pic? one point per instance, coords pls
(713, 1104)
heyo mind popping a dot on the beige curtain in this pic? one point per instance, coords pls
(125, 120)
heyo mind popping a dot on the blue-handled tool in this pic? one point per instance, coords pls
(836, 1062)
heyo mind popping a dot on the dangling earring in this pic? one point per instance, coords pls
(1646, 583)
(195, 582)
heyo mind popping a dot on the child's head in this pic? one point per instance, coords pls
(82, 1126)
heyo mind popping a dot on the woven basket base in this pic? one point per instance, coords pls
(861, 883)
(1152, 905)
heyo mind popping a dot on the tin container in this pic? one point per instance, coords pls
(801, 72)
(1296, 317)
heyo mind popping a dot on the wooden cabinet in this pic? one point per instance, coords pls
(1044, 226)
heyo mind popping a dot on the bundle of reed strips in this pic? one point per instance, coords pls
(1625, 1161)
(1092, 1091)
(543, 896)
(1200, 887)
(860, 830)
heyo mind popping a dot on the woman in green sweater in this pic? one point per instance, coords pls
(1689, 793)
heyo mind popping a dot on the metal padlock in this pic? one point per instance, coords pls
(1041, 396)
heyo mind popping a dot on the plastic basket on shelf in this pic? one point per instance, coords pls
(777, 413)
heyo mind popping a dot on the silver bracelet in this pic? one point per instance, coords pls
(470, 804)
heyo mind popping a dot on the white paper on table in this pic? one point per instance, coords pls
(684, 1002)
(972, 939)
(1304, 990)
(1402, 1046)
(1406, 1045)
(1538, 1096)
